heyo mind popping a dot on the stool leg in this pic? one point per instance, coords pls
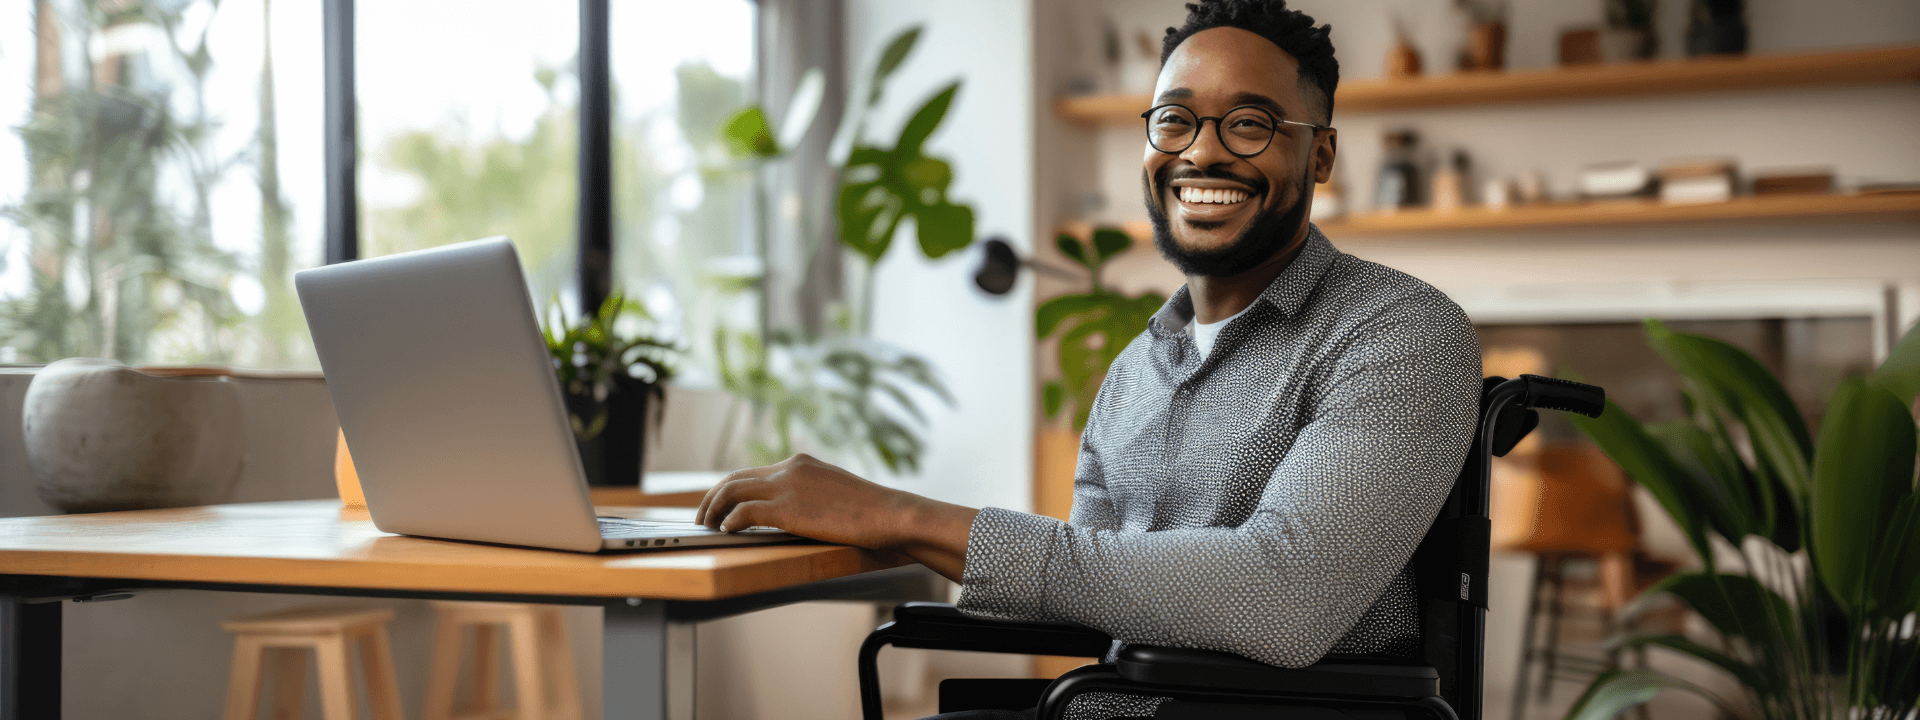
(243, 685)
(336, 686)
(1526, 639)
(1557, 580)
(559, 649)
(376, 662)
(443, 670)
(288, 667)
(487, 687)
(524, 635)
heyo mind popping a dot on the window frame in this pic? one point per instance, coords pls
(594, 221)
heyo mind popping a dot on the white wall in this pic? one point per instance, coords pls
(979, 451)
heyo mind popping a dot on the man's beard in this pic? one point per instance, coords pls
(1267, 235)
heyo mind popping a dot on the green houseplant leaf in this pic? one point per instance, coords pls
(1748, 675)
(943, 229)
(1649, 463)
(925, 120)
(1735, 605)
(748, 135)
(1108, 242)
(1731, 381)
(1618, 690)
(891, 58)
(1900, 373)
(1862, 471)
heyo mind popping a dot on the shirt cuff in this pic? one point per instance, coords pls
(1006, 566)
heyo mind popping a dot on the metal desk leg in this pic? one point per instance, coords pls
(647, 663)
(29, 658)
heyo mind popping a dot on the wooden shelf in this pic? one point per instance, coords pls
(1667, 77)
(1903, 206)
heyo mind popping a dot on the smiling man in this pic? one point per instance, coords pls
(1262, 460)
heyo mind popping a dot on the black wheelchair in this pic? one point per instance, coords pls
(1450, 569)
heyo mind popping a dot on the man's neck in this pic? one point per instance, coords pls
(1219, 298)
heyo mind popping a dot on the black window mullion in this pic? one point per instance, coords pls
(343, 229)
(595, 224)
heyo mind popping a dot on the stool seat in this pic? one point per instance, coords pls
(276, 646)
(305, 621)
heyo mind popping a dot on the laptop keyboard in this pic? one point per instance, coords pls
(625, 528)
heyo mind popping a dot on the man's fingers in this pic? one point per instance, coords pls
(746, 515)
(721, 499)
(706, 501)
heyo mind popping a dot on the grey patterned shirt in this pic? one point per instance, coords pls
(1263, 500)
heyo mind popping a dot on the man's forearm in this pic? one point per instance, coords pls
(937, 535)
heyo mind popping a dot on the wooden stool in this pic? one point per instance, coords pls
(542, 662)
(280, 641)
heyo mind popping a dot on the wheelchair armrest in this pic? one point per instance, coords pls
(941, 626)
(1359, 675)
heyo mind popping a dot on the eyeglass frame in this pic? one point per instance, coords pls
(1200, 121)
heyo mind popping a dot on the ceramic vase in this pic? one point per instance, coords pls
(102, 436)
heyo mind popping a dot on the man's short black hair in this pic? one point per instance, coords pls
(1292, 30)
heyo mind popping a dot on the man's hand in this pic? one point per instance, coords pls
(812, 499)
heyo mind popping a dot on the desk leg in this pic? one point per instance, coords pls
(647, 664)
(29, 658)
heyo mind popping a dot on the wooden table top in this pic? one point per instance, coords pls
(311, 543)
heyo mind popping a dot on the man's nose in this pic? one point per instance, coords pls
(1207, 150)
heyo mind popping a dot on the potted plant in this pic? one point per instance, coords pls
(609, 378)
(844, 390)
(1817, 622)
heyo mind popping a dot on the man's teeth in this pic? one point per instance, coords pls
(1205, 195)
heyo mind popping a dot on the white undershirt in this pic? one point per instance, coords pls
(1204, 333)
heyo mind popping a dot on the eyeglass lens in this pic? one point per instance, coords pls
(1244, 131)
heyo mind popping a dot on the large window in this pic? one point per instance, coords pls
(468, 128)
(164, 166)
(683, 207)
(160, 179)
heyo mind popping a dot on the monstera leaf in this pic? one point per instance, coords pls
(880, 188)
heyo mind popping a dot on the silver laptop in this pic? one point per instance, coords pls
(447, 395)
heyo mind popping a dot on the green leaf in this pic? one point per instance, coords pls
(943, 229)
(1754, 678)
(1071, 247)
(1053, 397)
(1715, 484)
(1729, 380)
(1896, 569)
(1108, 242)
(747, 134)
(867, 212)
(1052, 312)
(921, 175)
(1618, 690)
(1736, 605)
(925, 120)
(890, 59)
(1649, 463)
(1862, 469)
(1900, 374)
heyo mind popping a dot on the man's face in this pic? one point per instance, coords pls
(1215, 213)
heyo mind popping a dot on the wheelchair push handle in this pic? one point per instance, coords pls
(1567, 395)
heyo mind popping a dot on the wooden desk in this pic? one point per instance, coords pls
(651, 598)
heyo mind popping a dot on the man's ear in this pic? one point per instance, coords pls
(1324, 144)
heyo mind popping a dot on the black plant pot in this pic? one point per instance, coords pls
(614, 457)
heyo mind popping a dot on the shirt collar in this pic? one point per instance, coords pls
(1286, 293)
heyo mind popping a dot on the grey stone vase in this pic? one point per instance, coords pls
(102, 436)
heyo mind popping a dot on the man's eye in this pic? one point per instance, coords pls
(1171, 120)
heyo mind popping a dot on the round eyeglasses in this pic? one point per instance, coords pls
(1245, 131)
